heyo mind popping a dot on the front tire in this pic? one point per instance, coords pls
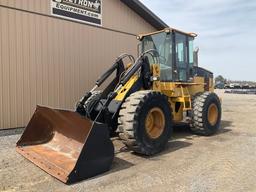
(145, 122)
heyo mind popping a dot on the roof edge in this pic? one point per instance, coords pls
(145, 13)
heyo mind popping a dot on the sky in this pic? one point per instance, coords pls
(226, 32)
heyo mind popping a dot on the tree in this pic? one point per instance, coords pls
(220, 79)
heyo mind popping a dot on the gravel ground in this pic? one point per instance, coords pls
(224, 162)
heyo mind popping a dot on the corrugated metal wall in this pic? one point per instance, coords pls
(116, 15)
(50, 61)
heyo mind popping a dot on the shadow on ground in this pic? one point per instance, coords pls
(226, 124)
(120, 164)
(181, 131)
(172, 146)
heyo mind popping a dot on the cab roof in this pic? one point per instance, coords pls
(168, 30)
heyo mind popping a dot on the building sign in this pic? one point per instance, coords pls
(87, 11)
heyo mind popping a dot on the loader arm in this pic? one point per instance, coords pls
(119, 67)
(137, 77)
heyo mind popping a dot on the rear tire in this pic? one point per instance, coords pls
(206, 114)
(145, 122)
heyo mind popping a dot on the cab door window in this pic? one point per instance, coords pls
(181, 57)
(191, 55)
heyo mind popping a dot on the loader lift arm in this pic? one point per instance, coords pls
(106, 107)
(118, 66)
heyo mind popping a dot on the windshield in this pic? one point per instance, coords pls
(162, 42)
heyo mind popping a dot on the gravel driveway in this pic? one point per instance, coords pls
(225, 162)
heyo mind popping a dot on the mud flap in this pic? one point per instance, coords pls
(66, 145)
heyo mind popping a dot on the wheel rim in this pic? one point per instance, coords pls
(155, 123)
(213, 114)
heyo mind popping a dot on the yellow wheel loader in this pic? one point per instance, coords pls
(162, 87)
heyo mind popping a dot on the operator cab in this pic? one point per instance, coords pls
(176, 53)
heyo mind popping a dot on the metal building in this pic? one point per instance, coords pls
(51, 51)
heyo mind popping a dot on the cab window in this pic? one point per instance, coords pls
(181, 57)
(162, 42)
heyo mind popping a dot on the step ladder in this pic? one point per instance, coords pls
(185, 98)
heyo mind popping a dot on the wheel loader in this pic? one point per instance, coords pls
(142, 103)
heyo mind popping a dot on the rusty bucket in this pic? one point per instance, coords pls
(67, 146)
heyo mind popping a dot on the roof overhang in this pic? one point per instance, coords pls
(145, 13)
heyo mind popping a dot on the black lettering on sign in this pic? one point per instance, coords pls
(88, 11)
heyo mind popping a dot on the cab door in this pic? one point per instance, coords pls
(181, 57)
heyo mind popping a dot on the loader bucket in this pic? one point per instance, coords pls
(66, 145)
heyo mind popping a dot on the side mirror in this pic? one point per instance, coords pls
(196, 51)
